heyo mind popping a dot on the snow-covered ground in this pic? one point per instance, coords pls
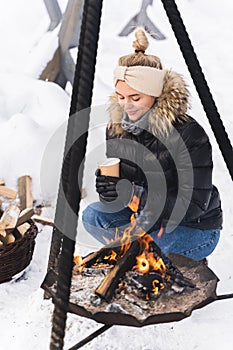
(33, 117)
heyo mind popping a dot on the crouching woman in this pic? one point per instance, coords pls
(166, 162)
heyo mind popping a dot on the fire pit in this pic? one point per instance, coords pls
(131, 282)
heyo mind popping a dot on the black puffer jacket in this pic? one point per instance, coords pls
(172, 158)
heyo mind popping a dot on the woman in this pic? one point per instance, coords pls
(166, 161)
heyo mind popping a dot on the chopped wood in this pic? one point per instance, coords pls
(25, 193)
(24, 216)
(9, 218)
(9, 238)
(7, 192)
(43, 220)
(23, 228)
(109, 284)
(2, 233)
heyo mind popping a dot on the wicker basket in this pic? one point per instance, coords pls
(16, 256)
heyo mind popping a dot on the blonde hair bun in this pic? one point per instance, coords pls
(141, 43)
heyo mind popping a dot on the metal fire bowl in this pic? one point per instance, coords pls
(166, 308)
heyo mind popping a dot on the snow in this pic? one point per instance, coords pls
(33, 116)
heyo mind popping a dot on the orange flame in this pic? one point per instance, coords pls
(159, 235)
(112, 256)
(78, 262)
(126, 239)
(143, 264)
(134, 204)
(78, 259)
(147, 261)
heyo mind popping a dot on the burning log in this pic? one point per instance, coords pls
(106, 251)
(108, 286)
(138, 252)
(139, 262)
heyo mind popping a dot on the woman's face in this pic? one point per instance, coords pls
(133, 102)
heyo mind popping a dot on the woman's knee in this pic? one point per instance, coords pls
(205, 248)
(89, 215)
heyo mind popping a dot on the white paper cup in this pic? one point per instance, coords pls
(110, 167)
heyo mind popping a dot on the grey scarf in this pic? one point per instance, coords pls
(138, 126)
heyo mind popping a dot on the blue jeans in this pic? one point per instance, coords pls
(194, 243)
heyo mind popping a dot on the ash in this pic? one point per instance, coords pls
(131, 299)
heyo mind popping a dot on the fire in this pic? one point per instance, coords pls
(156, 286)
(147, 261)
(126, 240)
(78, 259)
(112, 257)
(78, 263)
(143, 264)
(134, 204)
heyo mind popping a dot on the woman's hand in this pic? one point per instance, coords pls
(112, 188)
(106, 186)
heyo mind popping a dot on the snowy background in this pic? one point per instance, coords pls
(33, 111)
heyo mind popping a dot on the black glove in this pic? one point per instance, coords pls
(106, 186)
(120, 190)
(112, 188)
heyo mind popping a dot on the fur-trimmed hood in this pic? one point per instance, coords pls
(171, 107)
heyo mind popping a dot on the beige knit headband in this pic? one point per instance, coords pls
(147, 80)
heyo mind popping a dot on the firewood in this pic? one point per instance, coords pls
(9, 218)
(109, 284)
(23, 228)
(106, 250)
(91, 258)
(7, 192)
(43, 220)
(24, 216)
(2, 233)
(25, 194)
(9, 238)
